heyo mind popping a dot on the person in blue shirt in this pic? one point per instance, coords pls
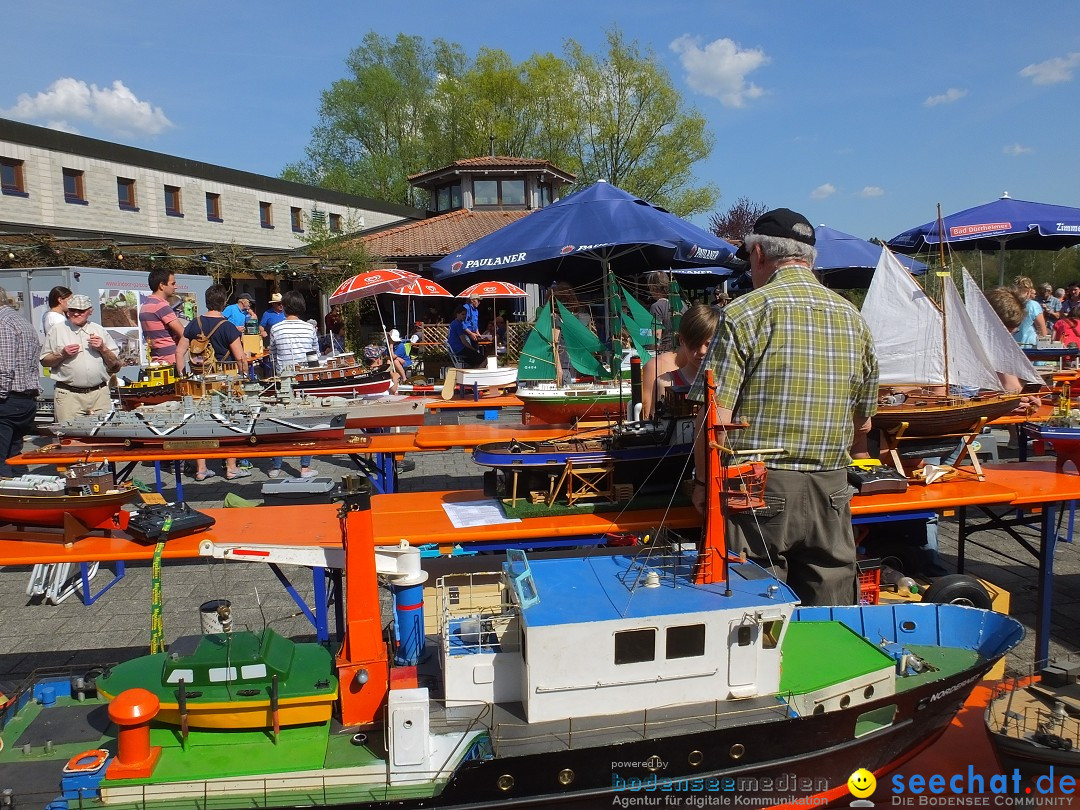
(472, 317)
(462, 345)
(275, 313)
(402, 361)
(238, 313)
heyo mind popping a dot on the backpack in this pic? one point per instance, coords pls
(200, 352)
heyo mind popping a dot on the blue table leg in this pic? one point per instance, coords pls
(1046, 582)
(317, 619)
(84, 572)
(159, 485)
(178, 472)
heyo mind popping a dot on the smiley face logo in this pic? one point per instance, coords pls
(862, 783)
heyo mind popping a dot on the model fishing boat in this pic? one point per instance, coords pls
(49, 500)
(566, 681)
(339, 376)
(156, 384)
(1034, 723)
(931, 390)
(221, 419)
(236, 680)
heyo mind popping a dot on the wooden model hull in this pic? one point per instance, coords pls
(929, 416)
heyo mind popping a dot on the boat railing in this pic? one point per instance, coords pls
(475, 614)
(664, 557)
(77, 680)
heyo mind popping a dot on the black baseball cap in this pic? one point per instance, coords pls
(248, 296)
(779, 222)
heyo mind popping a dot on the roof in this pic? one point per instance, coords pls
(438, 236)
(491, 163)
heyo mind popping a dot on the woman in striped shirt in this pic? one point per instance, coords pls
(290, 342)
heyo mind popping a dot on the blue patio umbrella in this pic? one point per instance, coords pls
(1002, 224)
(845, 261)
(582, 236)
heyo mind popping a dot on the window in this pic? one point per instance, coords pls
(545, 194)
(448, 198)
(173, 207)
(125, 194)
(686, 642)
(499, 192)
(635, 646)
(213, 207)
(266, 215)
(73, 186)
(11, 177)
(297, 218)
(335, 223)
(318, 218)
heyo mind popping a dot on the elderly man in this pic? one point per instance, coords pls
(82, 356)
(274, 314)
(237, 314)
(19, 380)
(796, 362)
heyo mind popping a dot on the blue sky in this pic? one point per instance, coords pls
(862, 115)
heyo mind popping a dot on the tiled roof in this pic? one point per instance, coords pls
(437, 236)
(492, 163)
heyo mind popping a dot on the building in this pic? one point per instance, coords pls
(67, 199)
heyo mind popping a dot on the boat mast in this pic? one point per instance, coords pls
(941, 275)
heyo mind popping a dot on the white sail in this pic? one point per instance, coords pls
(906, 325)
(909, 333)
(969, 365)
(1004, 352)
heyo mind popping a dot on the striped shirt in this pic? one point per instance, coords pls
(796, 361)
(290, 342)
(19, 352)
(155, 315)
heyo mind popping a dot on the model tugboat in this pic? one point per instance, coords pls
(582, 681)
(156, 384)
(221, 419)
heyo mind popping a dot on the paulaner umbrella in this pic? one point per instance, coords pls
(1004, 223)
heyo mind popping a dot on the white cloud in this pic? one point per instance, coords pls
(114, 109)
(1052, 71)
(871, 191)
(1016, 149)
(720, 68)
(948, 97)
(823, 191)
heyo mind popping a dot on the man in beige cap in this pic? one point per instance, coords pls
(82, 356)
(275, 313)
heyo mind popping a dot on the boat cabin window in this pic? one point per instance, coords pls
(687, 641)
(188, 676)
(771, 633)
(221, 674)
(746, 635)
(635, 646)
(253, 671)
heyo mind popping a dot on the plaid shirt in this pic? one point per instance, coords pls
(797, 362)
(19, 352)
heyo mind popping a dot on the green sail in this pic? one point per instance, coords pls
(581, 344)
(537, 357)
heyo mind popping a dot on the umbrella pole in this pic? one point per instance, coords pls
(1001, 262)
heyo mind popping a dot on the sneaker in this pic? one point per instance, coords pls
(309, 474)
(245, 463)
(240, 473)
(276, 473)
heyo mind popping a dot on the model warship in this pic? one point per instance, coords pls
(217, 418)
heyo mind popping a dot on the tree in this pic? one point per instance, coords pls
(408, 106)
(738, 220)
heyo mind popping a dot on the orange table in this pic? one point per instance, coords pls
(1041, 490)
(445, 437)
(502, 401)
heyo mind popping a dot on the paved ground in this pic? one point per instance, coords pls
(117, 626)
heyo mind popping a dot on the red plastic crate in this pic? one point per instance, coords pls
(869, 581)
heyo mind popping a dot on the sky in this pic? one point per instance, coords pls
(864, 116)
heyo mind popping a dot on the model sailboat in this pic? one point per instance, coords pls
(590, 388)
(922, 347)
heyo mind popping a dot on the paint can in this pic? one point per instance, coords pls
(215, 616)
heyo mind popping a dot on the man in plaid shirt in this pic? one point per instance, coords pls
(796, 362)
(20, 376)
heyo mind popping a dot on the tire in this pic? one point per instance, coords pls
(958, 589)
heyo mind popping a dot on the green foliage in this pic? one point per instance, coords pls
(408, 106)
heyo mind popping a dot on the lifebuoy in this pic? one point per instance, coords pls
(87, 761)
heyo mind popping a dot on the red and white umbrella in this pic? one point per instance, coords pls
(373, 282)
(493, 289)
(423, 288)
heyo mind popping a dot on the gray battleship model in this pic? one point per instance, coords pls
(223, 419)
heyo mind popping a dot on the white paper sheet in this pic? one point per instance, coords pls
(477, 513)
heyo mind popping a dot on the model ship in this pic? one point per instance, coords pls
(341, 375)
(1034, 723)
(572, 680)
(156, 384)
(221, 419)
(90, 496)
(935, 376)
